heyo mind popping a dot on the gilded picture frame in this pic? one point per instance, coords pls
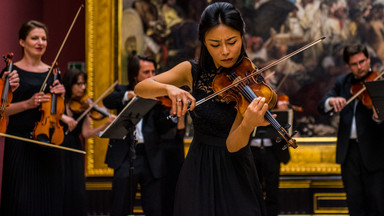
(315, 155)
(103, 66)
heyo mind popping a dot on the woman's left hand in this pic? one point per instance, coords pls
(57, 88)
(254, 115)
(14, 80)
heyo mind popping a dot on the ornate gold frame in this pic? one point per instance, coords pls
(102, 23)
(103, 60)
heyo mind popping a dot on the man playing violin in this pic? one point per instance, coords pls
(359, 140)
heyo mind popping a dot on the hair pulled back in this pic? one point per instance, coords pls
(214, 15)
(29, 26)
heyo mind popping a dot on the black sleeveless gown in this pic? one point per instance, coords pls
(74, 172)
(213, 181)
(32, 175)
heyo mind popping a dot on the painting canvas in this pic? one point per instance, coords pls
(167, 30)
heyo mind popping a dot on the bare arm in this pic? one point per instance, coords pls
(242, 127)
(87, 130)
(31, 103)
(166, 84)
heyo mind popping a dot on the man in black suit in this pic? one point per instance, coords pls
(148, 141)
(360, 140)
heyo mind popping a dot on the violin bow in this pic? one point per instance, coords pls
(61, 47)
(258, 71)
(42, 143)
(96, 101)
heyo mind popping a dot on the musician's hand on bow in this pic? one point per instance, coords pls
(181, 100)
(338, 103)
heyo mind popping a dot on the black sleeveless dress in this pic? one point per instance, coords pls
(74, 172)
(213, 181)
(32, 175)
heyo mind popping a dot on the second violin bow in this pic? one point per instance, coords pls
(61, 47)
(42, 143)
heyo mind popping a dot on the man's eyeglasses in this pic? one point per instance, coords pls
(355, 64)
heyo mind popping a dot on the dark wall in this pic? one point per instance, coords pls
(57, 15)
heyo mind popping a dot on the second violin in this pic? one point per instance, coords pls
(79, 106)
(49, 129)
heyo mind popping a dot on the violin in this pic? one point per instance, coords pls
(78, 106)
(358, 88)
(245, 91)
(240, 84)
(6, 93)
(49, 129)
(85, 105)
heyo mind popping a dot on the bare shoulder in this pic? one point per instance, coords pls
(179, 75)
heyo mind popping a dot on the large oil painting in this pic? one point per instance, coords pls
(167, 31)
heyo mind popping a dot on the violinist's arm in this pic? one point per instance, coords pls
(87, 130)
(31, 103)
(159, 85)
(338, 103)
(167, 84)
(68, 120)
(242, 127)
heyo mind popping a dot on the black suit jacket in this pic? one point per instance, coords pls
(155, 126)
(369, 133)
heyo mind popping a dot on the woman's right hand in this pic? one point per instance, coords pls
(338, 103)
(37, 99)
(69, 121)
(181, 100)
(110, 119)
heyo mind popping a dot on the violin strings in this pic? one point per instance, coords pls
(250, 95)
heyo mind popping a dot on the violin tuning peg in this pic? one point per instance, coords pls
(287, 126)
(278, 140)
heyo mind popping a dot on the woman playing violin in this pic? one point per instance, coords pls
(32, 183)
(75, 82)
(360, 140)
(218, 176)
